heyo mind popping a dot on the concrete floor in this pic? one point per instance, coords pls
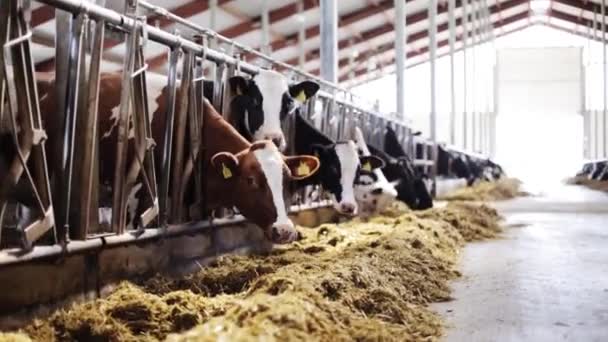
(546, 280)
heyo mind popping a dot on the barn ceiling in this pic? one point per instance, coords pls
(366, 28)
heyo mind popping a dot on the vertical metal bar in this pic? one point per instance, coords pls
(69, 125)
(400, 43)
(465, 38)
(452, 40)
(265, 28)
(119, 192)
(597, 135)
(329, 40)
(589, 136)
(301, 35)
(89, 180)
(474, 61)
(605, 86)
(433, 56)
(165, 176)
(180, 136)
(583, 109)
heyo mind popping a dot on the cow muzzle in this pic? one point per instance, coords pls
(282, 233)
(346, 208)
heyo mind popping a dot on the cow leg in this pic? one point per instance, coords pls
(135, 208)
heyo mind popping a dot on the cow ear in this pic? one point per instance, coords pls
(302, 167)
(303, 91)
(369, 163)
(226, 164)
(238, 85)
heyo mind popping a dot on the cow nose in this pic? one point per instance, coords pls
(283, 233)
(347, 208)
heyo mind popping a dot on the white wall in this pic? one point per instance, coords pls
(539, 125)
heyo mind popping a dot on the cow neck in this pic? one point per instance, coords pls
(392, 145)
(307, 135)
(219, 136)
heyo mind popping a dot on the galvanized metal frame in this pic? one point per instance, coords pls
(82, 112)
(29, 142)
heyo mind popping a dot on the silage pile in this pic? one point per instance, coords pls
(590, 183)
(502, 189)
(366, 281)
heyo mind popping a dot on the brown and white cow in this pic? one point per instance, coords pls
(250, 177)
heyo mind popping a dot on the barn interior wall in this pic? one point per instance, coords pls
(540, 129)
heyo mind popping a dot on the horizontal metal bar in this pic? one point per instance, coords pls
(15, 256)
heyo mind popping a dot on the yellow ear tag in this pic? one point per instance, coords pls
(367, 167)
(301, 96)
(226, 172)
(303, 169)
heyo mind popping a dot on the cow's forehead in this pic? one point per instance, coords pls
(271, 83)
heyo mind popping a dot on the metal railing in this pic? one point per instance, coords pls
(76, 188)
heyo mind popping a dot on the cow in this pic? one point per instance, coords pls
(410, 184)
(249, 176)
(258, 105)
(373, 191)
(598, 170)
(340, 164)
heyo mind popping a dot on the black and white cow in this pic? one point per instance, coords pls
(259, 104)
(340, 164)
(410, 184)
(599, 171)
(373, 191)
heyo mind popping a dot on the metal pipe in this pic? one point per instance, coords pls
(452, 40)
(301, 35)
(400, 43)
(605, 94)
(433, 53)
(597, 135)
(265, 28)
(465, 36)
(329, 40)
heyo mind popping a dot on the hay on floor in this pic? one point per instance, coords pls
(367, 281)
(502, 189)
(590, 183)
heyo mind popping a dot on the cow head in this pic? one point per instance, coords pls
(372, 195)
(262, 102)
(340, 167)
(257, 179)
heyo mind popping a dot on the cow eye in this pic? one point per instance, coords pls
(251, 181)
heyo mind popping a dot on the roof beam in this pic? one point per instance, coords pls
(372, 33)
(553, 13)
(344, 20)
(247, 26)
(42, 15)
(414, 37)
(583, 5)
(187, 10)
(506, 21)
(576, 31)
